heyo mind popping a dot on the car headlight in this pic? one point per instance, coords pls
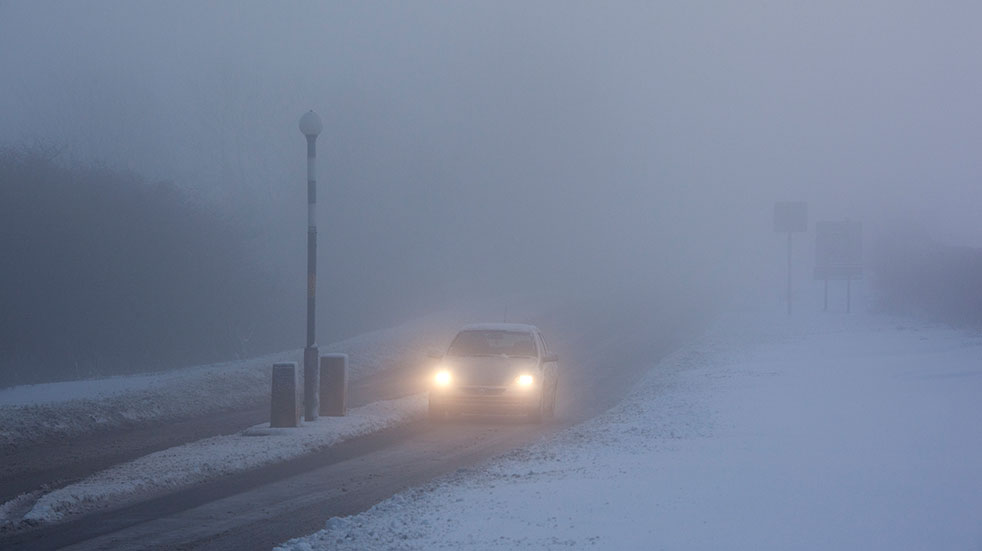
(443, 378)
(525, 380)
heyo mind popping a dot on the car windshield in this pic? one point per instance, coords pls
(492, 343)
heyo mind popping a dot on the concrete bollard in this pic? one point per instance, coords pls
(311, 385)
(334, 385)
(283, 410)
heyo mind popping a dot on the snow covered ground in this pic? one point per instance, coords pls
(35, 412)
(828, 431)
(32, 413)
(208, 459)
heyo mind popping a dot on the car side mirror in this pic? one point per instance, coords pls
(434, 354)
(550, 358)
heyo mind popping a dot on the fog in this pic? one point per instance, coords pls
(550, 151)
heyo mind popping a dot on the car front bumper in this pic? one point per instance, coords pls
(486, 399)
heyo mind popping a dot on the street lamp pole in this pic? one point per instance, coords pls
(310, 126)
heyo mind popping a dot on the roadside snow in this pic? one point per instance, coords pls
(208, 459)
(34, 413)
(823, 432)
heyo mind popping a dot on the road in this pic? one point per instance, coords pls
(258, 509)
(62, 461)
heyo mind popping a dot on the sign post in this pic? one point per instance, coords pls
(790, 217)
(839, 255)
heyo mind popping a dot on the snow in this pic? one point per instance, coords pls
(828, 431)
(208, 459)
(34, 413)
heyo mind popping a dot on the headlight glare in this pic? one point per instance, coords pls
(525, 380)
(442, 378)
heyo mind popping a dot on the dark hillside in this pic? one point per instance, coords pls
(103, 273)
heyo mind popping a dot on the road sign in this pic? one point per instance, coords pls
(790, 216)
(838, 250)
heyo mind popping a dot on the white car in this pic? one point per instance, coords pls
(495, 368)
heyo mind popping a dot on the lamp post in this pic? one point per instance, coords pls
(310, 126)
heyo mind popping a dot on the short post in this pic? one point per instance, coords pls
(334, 385)
(283, 401)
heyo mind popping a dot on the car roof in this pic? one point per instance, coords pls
(517, 327)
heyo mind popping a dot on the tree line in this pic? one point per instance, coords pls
(916, 275)
(105, 273)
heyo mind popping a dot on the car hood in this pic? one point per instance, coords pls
(489, 370)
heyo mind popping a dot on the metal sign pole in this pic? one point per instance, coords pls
(826, 308)
(848, 295)
(789, 273)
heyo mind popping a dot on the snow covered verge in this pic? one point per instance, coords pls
(35, 413)
(183, 466)
(819, 432)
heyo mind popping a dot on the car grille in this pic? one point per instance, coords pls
(482, 390)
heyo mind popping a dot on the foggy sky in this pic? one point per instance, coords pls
(475, 149)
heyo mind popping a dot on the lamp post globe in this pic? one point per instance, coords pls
(310, 125)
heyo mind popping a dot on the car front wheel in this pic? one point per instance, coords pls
(551, 409)
(435, 412)
(537, 412)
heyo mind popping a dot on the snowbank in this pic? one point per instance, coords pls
(207, 459)
(34, 413)
(828, 432)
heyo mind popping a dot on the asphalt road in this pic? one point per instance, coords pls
(601, 359)
(60, 462)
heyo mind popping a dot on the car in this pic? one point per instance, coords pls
(504, 368)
